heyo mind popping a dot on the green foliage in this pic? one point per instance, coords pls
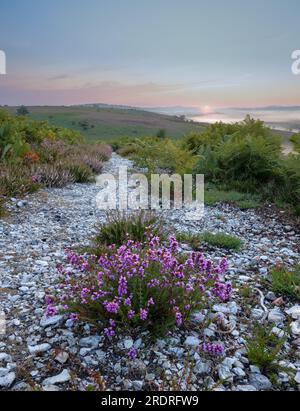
(192, 240)
(242, 200)
(162, 155)
(2, 207)
(34, 154)
(22, 111)
(263, 349)
(15, 181)
(162, 134)
(286, 282)
(295, 139)
(221, 240)
(250, 204)
(80, 171)
(120, 227)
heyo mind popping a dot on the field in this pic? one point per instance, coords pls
(111, 123)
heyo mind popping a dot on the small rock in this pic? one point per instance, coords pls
(48, 321)
(297, 377)
(239, 372)
(246, 388)
(295, 327)
(294, 312)
(276, 316)
(37, 349)
(224, 372)
(64, 376)
(202, 367)
(7, 380)
(260, 382)
(137, 385)
(90, 342)
(62, 357)
(128, 343)
(192, 341)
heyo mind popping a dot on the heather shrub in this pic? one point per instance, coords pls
(16, 181)
(93, 163)
(139, 286)
(53, 175)
(119, 227)
(80, 172)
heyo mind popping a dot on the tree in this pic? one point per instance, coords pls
(22, 111)
(161, 133)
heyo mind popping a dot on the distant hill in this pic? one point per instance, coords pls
(105, 122)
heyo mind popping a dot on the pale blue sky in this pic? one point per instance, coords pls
(161, 52)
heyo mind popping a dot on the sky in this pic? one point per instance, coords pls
(194, 53)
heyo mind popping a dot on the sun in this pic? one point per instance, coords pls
(206, 109)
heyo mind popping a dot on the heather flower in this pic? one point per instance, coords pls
(51, 311)
(178, 317)
(122, 290)
(149, 283)
(143, 315)
(112, 307)
(214, 349)
(131, 314)
(132, 353)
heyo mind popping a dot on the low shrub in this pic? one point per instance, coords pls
(139, 286)
(215, 196)
(221, 240)
(286, 281)
(2, 207)
(263, 349)
(53, 175)
(119, 227)
(80, 172)
(16, 181)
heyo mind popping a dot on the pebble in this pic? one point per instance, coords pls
(61, 378)
(7, 380)
(260, 382)
(37, 349)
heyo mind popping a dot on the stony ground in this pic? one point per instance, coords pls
(50, 354)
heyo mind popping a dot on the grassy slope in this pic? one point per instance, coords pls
(112, 123)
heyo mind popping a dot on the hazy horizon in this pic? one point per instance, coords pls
(169, 53)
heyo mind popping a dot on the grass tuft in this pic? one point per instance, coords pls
(221, 240)
(286, 282)
(121, 227)
(263, 349)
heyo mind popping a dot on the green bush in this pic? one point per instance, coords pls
(286, 282)
(16, 181)
(295, 139)
(263, 349)
(120, 227)
(221, 240)
(81, 172)
(162, 155)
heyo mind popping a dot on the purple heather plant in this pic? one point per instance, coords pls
(137, 285)
(213, 349)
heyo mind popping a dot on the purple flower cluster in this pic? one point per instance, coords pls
(214, 349)
(139, 285)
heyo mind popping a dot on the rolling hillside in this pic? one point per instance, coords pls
(110, 123)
